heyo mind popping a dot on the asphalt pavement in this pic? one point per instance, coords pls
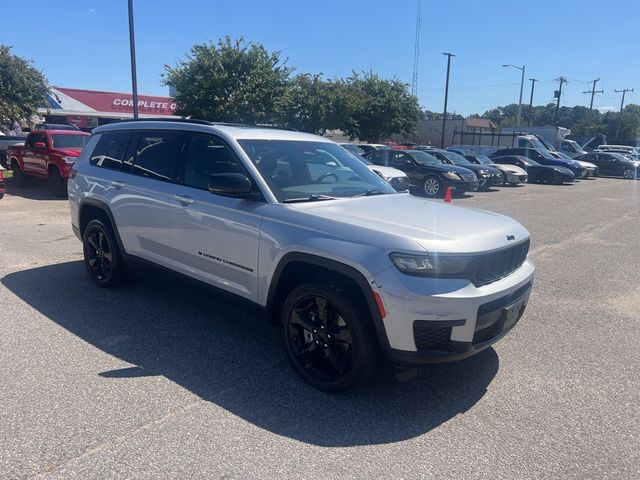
(161, 380)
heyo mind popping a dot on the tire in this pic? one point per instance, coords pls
(19, 178)
(58, 183)
(557, 180)
(329, 337)
(513, 184)
(102, 257)
(1, 195)
(628, 174)
(432, 186)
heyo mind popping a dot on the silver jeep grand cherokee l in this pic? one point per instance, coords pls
(352, 271)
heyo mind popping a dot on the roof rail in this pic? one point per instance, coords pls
(160, 119)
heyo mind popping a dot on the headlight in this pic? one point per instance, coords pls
(70, 160)
(452, 176)
(430, 265)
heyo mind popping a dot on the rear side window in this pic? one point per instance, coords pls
(110, 150)
(35, 138)
(157, 155)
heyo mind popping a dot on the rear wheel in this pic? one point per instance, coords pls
(19, 178)
(628, 174)
(432, 186)
(58, 182)
(328, 336)
(102, 257)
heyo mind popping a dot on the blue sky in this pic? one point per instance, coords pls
(84, 44)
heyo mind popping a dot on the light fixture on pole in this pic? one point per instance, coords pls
(522, 68)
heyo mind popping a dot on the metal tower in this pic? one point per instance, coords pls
(416, 52)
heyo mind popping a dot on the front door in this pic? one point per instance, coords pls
(215, 237)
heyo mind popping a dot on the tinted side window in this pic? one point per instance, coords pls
(207, 155)
(157, 155)
(35, 138)
(110, 150)
(377, 157)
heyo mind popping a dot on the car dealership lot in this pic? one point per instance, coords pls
(157, 380)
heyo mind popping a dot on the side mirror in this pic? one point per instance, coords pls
(234, 185)
(39, 145)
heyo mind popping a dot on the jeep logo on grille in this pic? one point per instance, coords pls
(510, 237)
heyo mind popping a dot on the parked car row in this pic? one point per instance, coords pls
(432, 170)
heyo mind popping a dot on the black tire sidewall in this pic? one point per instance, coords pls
(59, 186)
(360, 327)
(18, 176)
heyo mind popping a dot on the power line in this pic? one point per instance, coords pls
(623, 92)
(558, 94)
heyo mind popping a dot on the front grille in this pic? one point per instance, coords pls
(486, 334)
(492, 266)
(523, 178)
(431, 338)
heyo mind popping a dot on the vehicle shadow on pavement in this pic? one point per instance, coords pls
(234, 359)
(36, 189)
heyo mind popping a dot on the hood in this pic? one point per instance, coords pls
(559, 169)
(586, 164)
(69, 152)
(510, 168)
(445, 167)
(387, 172)
(388, 221)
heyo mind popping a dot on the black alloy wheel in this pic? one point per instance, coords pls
(328, 340)
(58, 182)
(102, 257)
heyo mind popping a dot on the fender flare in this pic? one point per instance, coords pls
(356, 276)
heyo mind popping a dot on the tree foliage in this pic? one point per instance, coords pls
(23, 88)
(231, 81)
(376, 108)
(311, 104)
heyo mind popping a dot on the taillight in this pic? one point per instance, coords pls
(1, 174)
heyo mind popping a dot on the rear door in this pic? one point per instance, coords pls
(142, 195)
(215, 238)
(34, 158)
(606, 164)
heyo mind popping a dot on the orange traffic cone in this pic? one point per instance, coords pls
(447, 195)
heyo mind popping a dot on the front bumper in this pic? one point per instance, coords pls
(461, 187)
(444, 320)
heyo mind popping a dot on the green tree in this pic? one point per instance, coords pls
(310, 104)
(429, 115)
(231, 81)
(374, 108)
(23, 88)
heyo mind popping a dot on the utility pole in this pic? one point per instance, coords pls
(593, 91)
(416, 52)
(558, 94)
(623, 92)
(132, 47)
(533, 86)
(446, 97)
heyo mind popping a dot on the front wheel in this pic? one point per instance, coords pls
(628, 174)
(432, 186)
(102, 257)
(328, 337)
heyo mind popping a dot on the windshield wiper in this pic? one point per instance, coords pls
(310, 198)
(369, 193)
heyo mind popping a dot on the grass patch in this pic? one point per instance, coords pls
(8, 174)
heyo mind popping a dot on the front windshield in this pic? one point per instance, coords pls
(455, 158)
(423, 157)
(305, 170)
(69, 141)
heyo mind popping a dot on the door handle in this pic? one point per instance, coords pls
(184, 200)
(117, 185)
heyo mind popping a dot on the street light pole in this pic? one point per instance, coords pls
(132, 47)
(522, 68)
(446, 97)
